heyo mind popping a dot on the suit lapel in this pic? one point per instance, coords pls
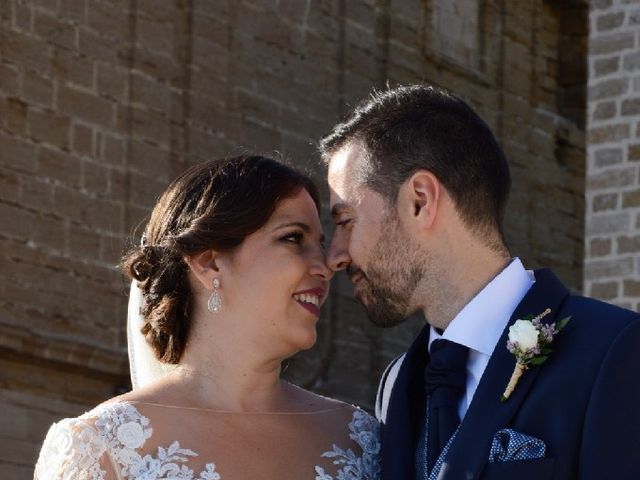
(404, 412)
(486, 415)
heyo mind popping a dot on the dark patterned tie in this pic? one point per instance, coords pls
(445, 384)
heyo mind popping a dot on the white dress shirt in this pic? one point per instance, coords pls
(481, 322)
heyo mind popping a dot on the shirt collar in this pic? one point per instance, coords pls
(481, 322)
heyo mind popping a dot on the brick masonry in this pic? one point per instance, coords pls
(612, 236)
(102, 102)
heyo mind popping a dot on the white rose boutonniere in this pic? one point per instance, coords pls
(530, 342)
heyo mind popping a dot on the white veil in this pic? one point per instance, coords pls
(143, 365)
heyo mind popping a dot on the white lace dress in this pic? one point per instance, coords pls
(135, 440)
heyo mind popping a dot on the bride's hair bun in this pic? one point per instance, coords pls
(141, 266)
(212, 205)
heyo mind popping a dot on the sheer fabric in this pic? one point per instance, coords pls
(136, 440)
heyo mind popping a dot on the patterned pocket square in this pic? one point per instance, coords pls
(509, 445)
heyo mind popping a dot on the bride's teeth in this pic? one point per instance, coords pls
(308, 298)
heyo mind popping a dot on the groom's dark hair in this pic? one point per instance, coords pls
(415, 127)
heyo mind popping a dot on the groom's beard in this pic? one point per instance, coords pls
(392, 276)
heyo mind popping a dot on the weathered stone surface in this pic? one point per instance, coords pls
(612, 273)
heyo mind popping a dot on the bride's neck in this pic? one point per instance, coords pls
(231, 381)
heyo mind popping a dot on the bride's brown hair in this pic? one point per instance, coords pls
(212, 205)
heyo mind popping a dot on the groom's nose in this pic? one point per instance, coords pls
(338, 257)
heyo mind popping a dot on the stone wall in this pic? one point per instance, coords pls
(102, 102)
(612, 240)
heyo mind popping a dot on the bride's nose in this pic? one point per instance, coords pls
(319, 267)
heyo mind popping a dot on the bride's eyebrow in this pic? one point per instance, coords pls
(301, 225)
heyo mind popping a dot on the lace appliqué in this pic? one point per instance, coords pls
(365, 431)
(74, 447)
(70, 450)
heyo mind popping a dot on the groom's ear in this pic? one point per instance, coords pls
(422, 197)
(203, 267)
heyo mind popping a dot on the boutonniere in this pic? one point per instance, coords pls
(530, 342)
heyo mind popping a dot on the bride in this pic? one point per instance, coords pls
(231, 276)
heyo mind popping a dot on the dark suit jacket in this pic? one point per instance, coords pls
(583, 402)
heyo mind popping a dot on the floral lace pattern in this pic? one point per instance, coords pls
(365, 431)
(74, 447)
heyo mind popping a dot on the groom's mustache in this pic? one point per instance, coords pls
(355, 274)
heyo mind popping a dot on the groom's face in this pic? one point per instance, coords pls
(370, 242)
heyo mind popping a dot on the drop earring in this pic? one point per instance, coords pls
(215, 300)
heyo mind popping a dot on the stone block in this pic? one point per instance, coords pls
(96, 178)
(609, 133)
(608, 269)
(15, 222)
(608, 156)
(24, 50)
(98, 47)
(36, 193)
(631, 288)
(68, 66)
(54, 30)
(604, 290)
(628, 244)
(150, 93)
(605, 66)
(608, 88)
(156, 35)
(37, 89)
(13, 115)
(605, 201)
(604, 110)
(112, 149)
(82, 139)
(631, 61)
(631, 199)
(149, 159)
(107, 19)
(153, 127)
(85, 106)
(611, 43)
(112, 81)
(601, 4)
(634, 152)
(9, 80)
(47, 126)
(17, 154)
(613, 178)
(10, 185)
(608, 223)
(74, 10)
(631, 107)
(49, 234)
(59, 165)
(83, 243)
(600, 247)
(609, 21)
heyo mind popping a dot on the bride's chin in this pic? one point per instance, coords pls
(305, 340)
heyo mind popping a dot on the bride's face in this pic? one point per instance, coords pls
(277, 280)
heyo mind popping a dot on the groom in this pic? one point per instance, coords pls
(419, 187)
